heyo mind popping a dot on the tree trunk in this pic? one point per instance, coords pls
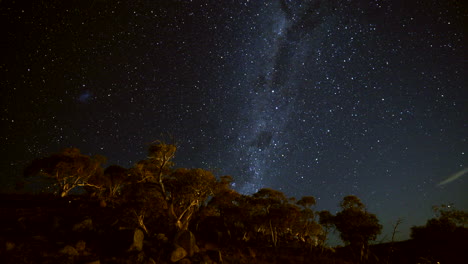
(274, 235)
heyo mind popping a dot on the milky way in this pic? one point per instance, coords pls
(269, 104)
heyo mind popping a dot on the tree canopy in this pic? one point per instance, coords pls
(356, 225)
(155, 191)
(68, 169)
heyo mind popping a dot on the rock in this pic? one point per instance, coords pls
(9, 246)
(186, 240)
(22, 222)
(151, 261)
(57, 222)
(138, 237)
(69, 250)
(85, 225)
(178, 254)
(80, 246)
(140, 258)
(94, 262)
(40, 238)
(185, 261)
(215, 256)
(207, 259)
(162, 237)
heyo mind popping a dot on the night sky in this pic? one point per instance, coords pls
(322, 98)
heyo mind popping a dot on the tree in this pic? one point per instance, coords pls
(115, 176)
(447, 224)
(326, 220)
(274, 215)
(111, 182)
(271, 195)
(352, 202)
(356, 226)
(307, 201)
(147, 193)
(229, 205)
(177, 194)
(157, 166)
(68, 169)
(449, 213)
(445, 236)
(187, 190)
(309, 230)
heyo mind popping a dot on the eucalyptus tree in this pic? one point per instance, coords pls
(68, 170)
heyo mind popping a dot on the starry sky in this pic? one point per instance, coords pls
(322, 98)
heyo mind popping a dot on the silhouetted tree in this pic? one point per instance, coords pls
(352, 202)
(111, 183)
(447, 224)
(307, 201)
(270, 194)
(229, 205)
(115, 177)
(356, 226)
(277, 216)
(309, 230)
(68, 169)
(326, 220)
(445, 236)
(453, 215)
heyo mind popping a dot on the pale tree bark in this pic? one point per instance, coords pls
(141, 219)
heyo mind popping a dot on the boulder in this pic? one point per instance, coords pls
(94, 262)
(151, 261)
(9, 246)
(206, 259)
(185, 261)
(70, 251)
(138, 237)
(162, 237)
(80, 246)
(186, 240)
(85, 225)
(178, 253)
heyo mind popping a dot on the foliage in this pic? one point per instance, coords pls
(112, 182)
(326, 220)
(451, 214)
(162, 200)
(352, 202)
(157, 166)
(187, 190)
(68, 169)
(448, 224)
(159, 191)
(153, 194)
(307, 201)
(267, 215)
(355, 224)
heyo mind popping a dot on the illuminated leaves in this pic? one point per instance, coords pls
(68, 169)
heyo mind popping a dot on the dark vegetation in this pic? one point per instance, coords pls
(155, 213)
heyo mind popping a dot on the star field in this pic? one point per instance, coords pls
(322, 98)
